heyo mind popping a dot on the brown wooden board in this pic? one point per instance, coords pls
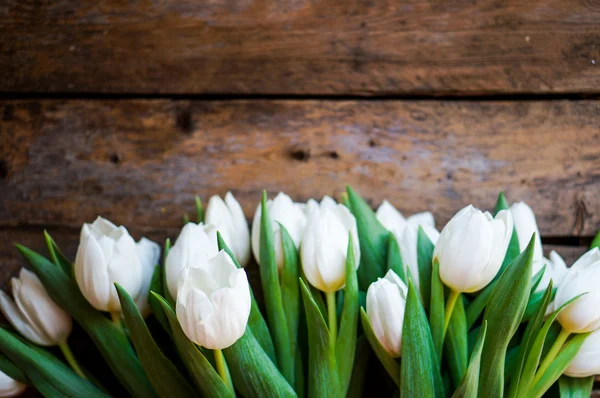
(140, 162)
(301, 47)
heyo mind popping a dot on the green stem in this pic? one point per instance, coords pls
(332, 315)
(554, 350)
(222, 369)
(64, 347)
(452, 297)
(116, 319)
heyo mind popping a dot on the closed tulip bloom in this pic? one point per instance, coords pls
(556, 270)
(386, 301)
(471, 248)
(33, 313)
(228, 217)
(405, 231)
(325, 245)
(281, 210)
(587, 361)
(526, 226)
(149, 254)
(9, 387)
(194, 246)
(107, 255)
(213, 304)
(583, 315)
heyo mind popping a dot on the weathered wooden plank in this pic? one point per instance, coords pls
(300, 47)
(141, 162)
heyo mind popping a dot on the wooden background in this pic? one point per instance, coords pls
(130, 108)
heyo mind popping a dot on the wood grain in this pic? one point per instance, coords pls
(301, 47)
(140, 163)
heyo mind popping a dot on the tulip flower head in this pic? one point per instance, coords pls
(195, 244)
(214, 302)
(526, 226)
(149, 254)
(9, 387)
(583, 315)
(107, 255)
(556, 270)
(386, 301)
(228, 217)
(325, 244)
(405, 231)
(471, 248)
(281, 210)
(587, 361)
(33, 313)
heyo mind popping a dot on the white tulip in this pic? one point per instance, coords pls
(228, 217)
(556, 270)
(213, 304)
(471, 248)
(526, 226)
(587, 361)
(325, 245)
(386, 301)
(405, 231)
(149, 254)
(107, 255)
(281, 210)
(195, 244)
(33, 313)
(583, 315)
(9, 387)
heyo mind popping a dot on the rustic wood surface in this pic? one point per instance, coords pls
(301, 47)
(140, 162)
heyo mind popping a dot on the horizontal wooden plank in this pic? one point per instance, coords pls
(141, 162)
(300, 47)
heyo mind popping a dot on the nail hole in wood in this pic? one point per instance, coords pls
(300, 154)
(3, 169)
(184, 121)
(372, 143)
(114, 158)
(334, 155)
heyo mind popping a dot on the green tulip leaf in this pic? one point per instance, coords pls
(436, 312)
(199, 210)
(419, 370)
(558, 366)
(527, 343)
(156, 286)
(596, 241)
(163, 375)
(323, 379)
(389, 363)
(49, 375)
(469, 385)
(109, 339)
(57, 256)
(425, 261)
(359, 371)
(256, 321)
(203, 375)
(514, 248)
(373, 239)
(503, 315)
(575, 387)
(346, 341)
(456, 346)
(394, 259)
(537, 278)
(11, 370)
(272, 295)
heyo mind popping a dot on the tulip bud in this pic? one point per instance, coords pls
(195, 244)
(33, 313)
(587, 361)
(281, 210)
(228, 217)
(325, 245)
(107, 255)
(406, 233)
(386, 300)
(213, 304)
(526, 226)
(583, 315)
(9, 387)
(149, 254)
(471, 248)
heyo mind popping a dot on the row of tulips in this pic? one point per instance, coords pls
(473, 310)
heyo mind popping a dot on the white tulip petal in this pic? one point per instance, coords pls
(587, 361)
(9, 387)
(149, 256)
(91, 273)
(390, 217)
(19, 322)
(526, 226)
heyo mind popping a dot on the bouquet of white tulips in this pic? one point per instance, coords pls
(350, 302)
